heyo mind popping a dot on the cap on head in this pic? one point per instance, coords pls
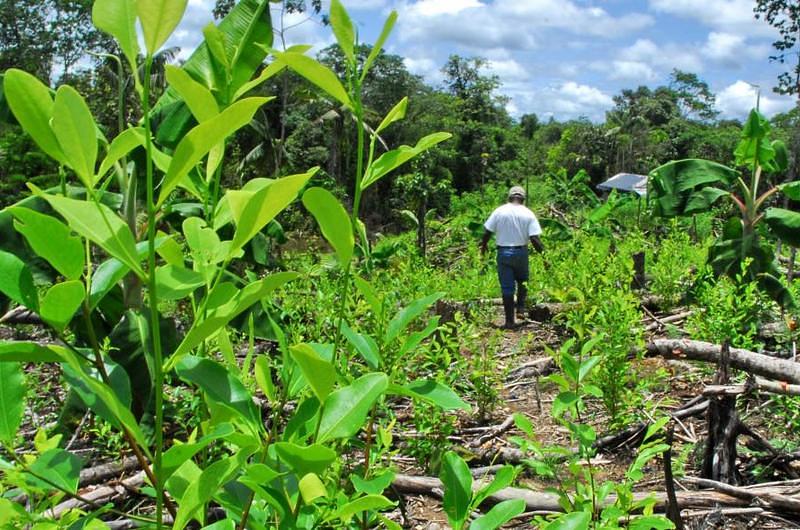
(516, 191)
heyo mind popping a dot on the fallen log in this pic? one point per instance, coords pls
(103, 472)
(751, 362)
(98, 496)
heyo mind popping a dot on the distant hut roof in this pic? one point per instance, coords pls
(629, 182)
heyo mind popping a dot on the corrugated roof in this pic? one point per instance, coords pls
(630, 182)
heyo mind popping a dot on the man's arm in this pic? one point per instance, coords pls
(537, 244)
(485, 240)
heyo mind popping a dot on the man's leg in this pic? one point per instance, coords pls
(522, 296)
(521, 275)
(505, 273)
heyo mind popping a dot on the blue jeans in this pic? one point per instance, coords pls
(512, 267)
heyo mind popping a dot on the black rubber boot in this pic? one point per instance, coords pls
(508, 308)
(522, 295)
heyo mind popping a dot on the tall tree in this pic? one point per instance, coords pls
(695, 99)
(25, 37)
(784, 15)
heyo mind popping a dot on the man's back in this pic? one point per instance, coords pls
(513, 224)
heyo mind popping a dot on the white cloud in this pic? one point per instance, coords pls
(508, 70)
(733, 16)
(432, 8)
(736, 100)
(633, 71)
(732, 50)
(562, 101)
(663, 56)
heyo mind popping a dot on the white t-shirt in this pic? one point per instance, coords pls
(513, 225)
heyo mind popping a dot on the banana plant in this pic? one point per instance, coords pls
(686, 187)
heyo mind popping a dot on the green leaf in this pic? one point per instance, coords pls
(16, 281)
(200, 491)
(374, 486)
(433, 392)
(118, 19)
(75, 130)
(780, 162)
(364, 344)
(97, 223)
(755, 147)
(346, 410)
(398, 112)
(791, 190)
(32, 104)
(61, 303)
(264, 377)
(390, 160)
(333, 221)
(30, 352)
(112, 271)
(57, 468)
(311, 488)
(499, 515)
(198, 98)
(457, 482)
(388, 25)
(12, 400)
(563, 402)
(343, 29)
(200, 140)
(502, 479)
(52, 240)
(319, 373)
(650, 522)
(785, 224)
(571, 521)
(405, 316)
(179, 453)
(316, 73)
(159, 18)
(414, 339)
(222, 314)
(675, 186)
(273, 69)
(361, 504)
(302, 460)
(178, 282)
(220, 386)
(265, 204)
(121, 146)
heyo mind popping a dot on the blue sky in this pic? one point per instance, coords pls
(564, 58)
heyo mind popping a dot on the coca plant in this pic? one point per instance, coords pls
(274, 467)
(686, 187)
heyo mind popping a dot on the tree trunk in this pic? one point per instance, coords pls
(719, 462)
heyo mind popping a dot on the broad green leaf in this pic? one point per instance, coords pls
(75, 130)
(563, 402)
(61, 302)
(457, 482)
(374, 486)
(175, 283)
(319, 373)
(311, 488)
(755, 147)
(221, 386)
(499, 515)
(218, 48)
(571, 521)
(414, 339)
(200, 491)
(785, 224)
(265, 204)
(58, 469)
(302, 460)
(362, 504)
(200, 140)
(12, 400)
(318, 74)
(391, 160)
(791, 190)
(345, 411)
(30, 352)
(433, 392)
(406, 315)
(179, 453)
(271, 70)
(376, 48)
(32, 104)
(225, 524)
(264, 377)
(112, 271)
(364, 344)
(16, 281)
(333, 221)
(99, 224)
(398, 112)
(220, 315)
(502, 479)
(675, 186)
(650, 522)
(52, 240)
(118, 19)
(780, 161)
(343, 29)
(199, 99)
(121, 146)
(159, 18)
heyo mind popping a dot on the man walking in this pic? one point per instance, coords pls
(514, 225)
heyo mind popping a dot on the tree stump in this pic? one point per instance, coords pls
(639, 280)
(723, 427)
